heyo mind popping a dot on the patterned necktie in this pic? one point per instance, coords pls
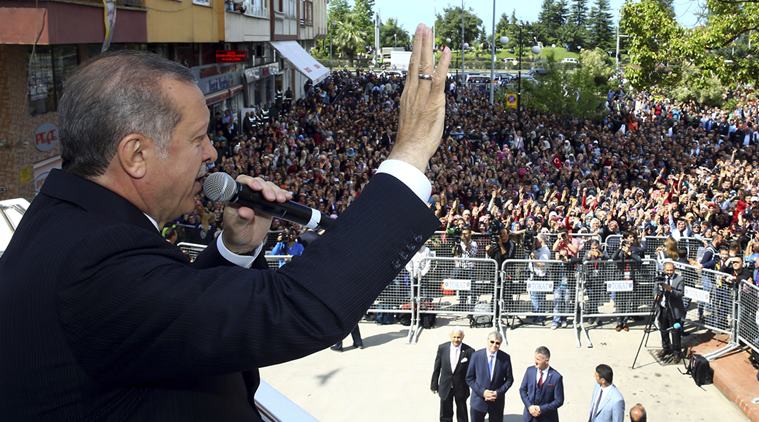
(540, 379)
(490, 367)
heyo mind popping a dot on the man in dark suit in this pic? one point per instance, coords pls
(107, 321)
(671, 310)
(490, 377)
(542, 389)
(449, 376)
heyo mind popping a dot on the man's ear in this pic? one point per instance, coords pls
(133, 152)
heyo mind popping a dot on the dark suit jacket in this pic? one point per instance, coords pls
(443, 380)
(479, 380)
(674, 299)
(549, 397)
(102, 319)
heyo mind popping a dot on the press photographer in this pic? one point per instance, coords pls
(500, 249)
(669, 290)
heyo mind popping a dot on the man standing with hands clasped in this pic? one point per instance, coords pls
(449, 376)
(542, 389)
(490, 377)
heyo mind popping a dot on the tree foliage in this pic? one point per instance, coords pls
(654, 44)
(566, 92)
(448, 25)
(392, 34)
(600, 29)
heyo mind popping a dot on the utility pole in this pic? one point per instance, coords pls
(519, 78)
(492, 59)
(462, 43)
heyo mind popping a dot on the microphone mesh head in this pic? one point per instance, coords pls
(219, 187)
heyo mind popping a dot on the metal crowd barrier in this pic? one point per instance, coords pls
(748, 315)
(581, 239)
(616, 289)
(541, 291)
(192, 250)
(395, 302)
(442, 244)
(276, 261)
(455, 287)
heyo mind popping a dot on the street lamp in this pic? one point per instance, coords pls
(395, 38)
(504, 40)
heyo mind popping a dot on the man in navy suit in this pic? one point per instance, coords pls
(542, 389)
(490, 377)
(607, 404)
(449, 376)
(114, 324)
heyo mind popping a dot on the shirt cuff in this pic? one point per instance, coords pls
(244, 261)
(409, 175)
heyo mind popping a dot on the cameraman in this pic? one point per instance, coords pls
(287, 244)
(628, 259)
(669, 294)
(500, 249)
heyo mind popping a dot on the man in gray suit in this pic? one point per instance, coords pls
(607, 404)
(669, 294)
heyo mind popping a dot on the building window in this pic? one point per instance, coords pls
(48, 71)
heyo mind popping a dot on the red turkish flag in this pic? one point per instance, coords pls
(557, 162)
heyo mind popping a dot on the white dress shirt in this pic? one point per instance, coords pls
(454, 354)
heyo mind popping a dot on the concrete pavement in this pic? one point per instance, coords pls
(389, 380)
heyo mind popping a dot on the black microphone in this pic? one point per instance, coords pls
(221, 187)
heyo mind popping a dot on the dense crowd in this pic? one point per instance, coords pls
(651, 166)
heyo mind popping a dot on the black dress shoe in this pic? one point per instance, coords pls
(337, 348)
(663, 354)
(358, 346)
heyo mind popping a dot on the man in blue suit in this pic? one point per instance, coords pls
(490, 377)
(542, 389)
(607, 404)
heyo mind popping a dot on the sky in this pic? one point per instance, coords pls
(410, 12)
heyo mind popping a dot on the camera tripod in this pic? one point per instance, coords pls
(649, 323)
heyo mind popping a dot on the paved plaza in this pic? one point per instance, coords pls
(389, 380)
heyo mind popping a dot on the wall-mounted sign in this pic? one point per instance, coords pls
(46, 137)
(231, 56)
(42, 170)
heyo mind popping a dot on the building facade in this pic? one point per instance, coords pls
(226, 43)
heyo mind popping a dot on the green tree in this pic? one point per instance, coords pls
(728, 45)
(578, 13)
(601, 34)
(448, 25)
(350, 37)
(575, 32)
(655, 45)
(553, 15)
(391, 34)
(363, 11)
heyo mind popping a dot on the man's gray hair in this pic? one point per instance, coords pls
(496, 335)
(112, 96)
(542, 350)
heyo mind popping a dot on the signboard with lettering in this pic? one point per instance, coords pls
(697, 294)
(539, 286)
(619, 286)
(46, 137)
(457, 284)
(231, 56)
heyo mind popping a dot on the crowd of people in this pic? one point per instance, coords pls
(651, 167)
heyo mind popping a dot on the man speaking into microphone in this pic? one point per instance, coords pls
(101, 319)
(670, 290)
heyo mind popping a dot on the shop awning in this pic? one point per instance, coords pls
(300, 58)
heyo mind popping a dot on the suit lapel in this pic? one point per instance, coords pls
(607, 394)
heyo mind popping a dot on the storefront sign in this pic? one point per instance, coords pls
(231, 56)
(46, 137)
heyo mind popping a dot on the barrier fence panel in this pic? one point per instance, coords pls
(459, 287)
(650, 244)
(395, 301)
(618, 288)
(612, 243)
(710, 295)
(443, 244)
(580, 240)
(276, 261)
(748, 317)
(539, 290)
(192, 250)
(695, 247)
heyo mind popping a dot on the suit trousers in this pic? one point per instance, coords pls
(667, 321)
(446, 409)
(495, 413)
